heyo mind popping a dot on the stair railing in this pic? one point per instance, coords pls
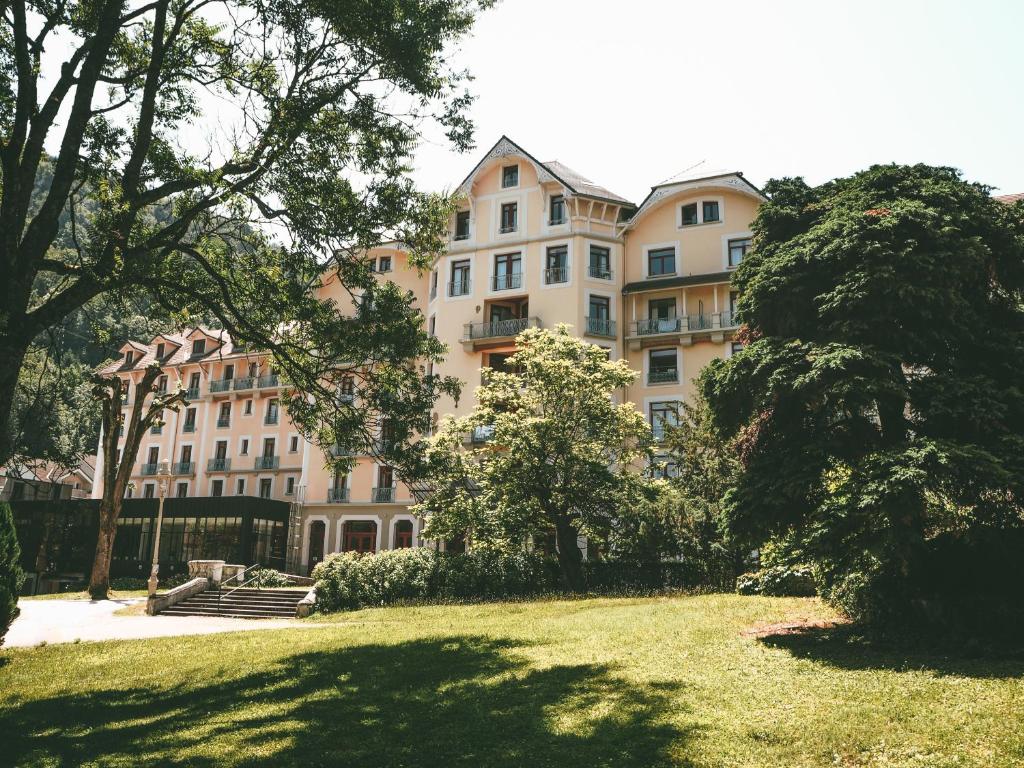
(240, 576)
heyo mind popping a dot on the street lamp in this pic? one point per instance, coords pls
(163, 472)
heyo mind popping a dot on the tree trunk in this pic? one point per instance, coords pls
(99, 580)
(570, 559)
(12, 352)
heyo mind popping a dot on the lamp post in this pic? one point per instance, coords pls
(164, 473)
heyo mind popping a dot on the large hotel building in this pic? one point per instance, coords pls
(532, 244)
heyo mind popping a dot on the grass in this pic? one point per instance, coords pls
(119, 594)
(597, 682)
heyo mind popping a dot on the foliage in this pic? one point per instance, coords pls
(218, 158)
(873, 408)
(267, 578)
(348, 580)
(554, 453)
(778, 581)
(10, 569)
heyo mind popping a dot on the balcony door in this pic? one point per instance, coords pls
(662, 314)
(507, 272)
(359, 536)
(317, 534)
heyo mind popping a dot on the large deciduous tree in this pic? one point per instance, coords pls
(217, 155)
(877, 404)
(548, 451)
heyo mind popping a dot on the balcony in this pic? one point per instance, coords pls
(183, 468)
(342, 450)
(269, 381)
(599, 273)
(512, 281)
(192, 393)
(460, 288)
(268, 462)
(148, 469)
(714, 326)
(663, 376)
(339, 495)
(382, 495)
(507, 229)
(243, 383)
(271, 419)
(475, 334)
(218, 386)
(218, 465)
(188, 427)
(601, 326)
(223, 421)
(554, 275)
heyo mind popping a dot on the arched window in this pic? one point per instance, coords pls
(317, 531)
(403, 534)
(359, 536)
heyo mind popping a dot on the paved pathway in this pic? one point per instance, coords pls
(64, 621)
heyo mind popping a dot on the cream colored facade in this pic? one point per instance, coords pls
(533, 243)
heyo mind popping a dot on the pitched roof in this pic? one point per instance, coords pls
(574, 181)
(180, 355)
(1010, 198)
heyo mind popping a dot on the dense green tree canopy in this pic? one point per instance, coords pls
(878, 401)
(553, 452)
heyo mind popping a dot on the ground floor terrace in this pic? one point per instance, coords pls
(707, 681)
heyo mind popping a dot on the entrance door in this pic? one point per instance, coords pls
(359, 536)
(317, 533)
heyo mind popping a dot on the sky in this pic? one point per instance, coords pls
(632, 93)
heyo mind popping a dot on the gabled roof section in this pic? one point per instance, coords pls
(1010, 198)
(572, 180)
(694, 179)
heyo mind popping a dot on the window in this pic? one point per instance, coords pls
(385, 264)
(689, 215)
(243, 449)
(737, 250)
(289, 486)
(557, 210)
(403, 534)
(160, 351)
(181, 490)
(254, 369)
(433, 284)
(600, 307)
(240, 487)
(710, 211)
(459, 286)
(661, 261)
(509, 217)
(265, 485)
(293, 444)
(161, 386)
(462, 225)
(220, 451)
(224, 419)
(154, 456)
(347, 388)
(193, 383)
(556, 265)
(661, 309)
(599, 320)
(199, 346)
(217, 488)
(229, 372)
(190, 420)
(507, 272)
(148, 491)
(272, 411)
(736, 346)
(432, 326)
(359, 536)
(600, 263)
(662, 414)
(662, 367)
(248, 407)
(186, 454)
(510, 176)
(129, 357)
(269, 445)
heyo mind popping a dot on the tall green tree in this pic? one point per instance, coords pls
(877, 403)
(10, 569)
(217, 155)
(547, 450)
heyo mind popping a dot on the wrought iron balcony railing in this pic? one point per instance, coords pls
(663, 376)
(220, 385)
(244, 382)
(192, 393)
(459, 287)
(223, 421)
(268, 462)
(183, 468)
(507, 282)
(337, 494)
(270, 380)
(218, 465)
(684, 324)
(188, 427)
(601, 326)
(499, 328)
(382, 495)
(554, 275)
(599, 273)
(148, 469)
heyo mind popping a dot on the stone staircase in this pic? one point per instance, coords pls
(242, 603)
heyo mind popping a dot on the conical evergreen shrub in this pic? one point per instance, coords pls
(10, 569)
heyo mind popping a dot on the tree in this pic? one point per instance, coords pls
(110, 392)
(218, 155)
(10, 569)
(552, 452)
(877, 404)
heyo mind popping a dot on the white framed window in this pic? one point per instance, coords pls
(661, 259)
(705, 210)
(510, 176)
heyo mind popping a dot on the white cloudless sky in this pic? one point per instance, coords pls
(631, 93)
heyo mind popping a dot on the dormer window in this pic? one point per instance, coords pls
(385, 264)
(462, 225)
(704, 212)
(129, 357)
(689, 215)
(510, 176)
(557, 210)
(160, 351)
(710, 211)
(199, 347)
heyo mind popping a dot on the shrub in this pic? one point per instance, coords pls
(778, 581)
(127, 584)
(266, 578)
(10, 570)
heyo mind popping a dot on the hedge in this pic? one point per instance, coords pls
(10, 570)
(348, 581)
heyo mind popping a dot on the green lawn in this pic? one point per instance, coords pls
(602, 682)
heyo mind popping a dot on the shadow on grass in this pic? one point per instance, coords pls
(463, 701)
(848, 647)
